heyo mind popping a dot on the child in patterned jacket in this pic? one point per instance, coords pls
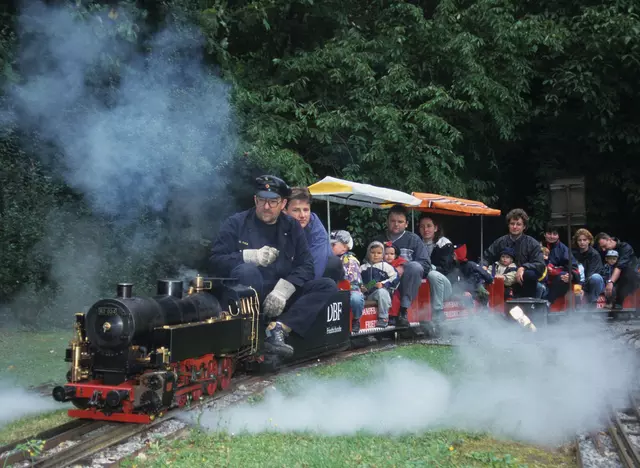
(341, 244)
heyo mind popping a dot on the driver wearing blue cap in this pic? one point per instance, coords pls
(268, 251)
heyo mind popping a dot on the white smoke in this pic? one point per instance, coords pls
(18, 403)
(165, 127)
(537, 387)
(141, 128)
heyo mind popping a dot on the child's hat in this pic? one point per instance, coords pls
(375, 244)
(460, 252)
(389, 244)
(343, 237)
(612, 253)
(508, 251)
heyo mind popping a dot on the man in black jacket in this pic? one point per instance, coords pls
(624, 274)
(413, 250)
(528, 254)
(268, 251)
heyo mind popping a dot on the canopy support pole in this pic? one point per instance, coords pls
(413, 227)
(328, 220)
(481, 239)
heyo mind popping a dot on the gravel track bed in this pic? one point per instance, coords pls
(590, 456)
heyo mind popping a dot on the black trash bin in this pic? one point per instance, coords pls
(536, 309)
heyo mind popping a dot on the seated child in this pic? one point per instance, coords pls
(378, 277)
(341, 244)
(506, 269)
(610, 261)
(392, 256)
(473, 276)
(541, 286)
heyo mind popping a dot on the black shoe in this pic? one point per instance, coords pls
(274, 343)
(402, 320)
(392, 321)
(355, 325)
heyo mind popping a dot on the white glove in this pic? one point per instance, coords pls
(262, 257)
(276, 300)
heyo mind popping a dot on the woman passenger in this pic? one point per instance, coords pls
(591, 261)
(440, 250)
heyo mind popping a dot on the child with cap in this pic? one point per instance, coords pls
(379, 277)
(341, 244)
(610, 261)
(506, 269)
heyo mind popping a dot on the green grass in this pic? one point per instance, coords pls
(430, 449)
(32, 425)
(444, 448)
(30, 358)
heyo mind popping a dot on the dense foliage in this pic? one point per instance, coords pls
(486, 99)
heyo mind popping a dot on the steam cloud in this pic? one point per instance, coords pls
(541, 388)
(142, 136)
(22, 404)
(165, 127)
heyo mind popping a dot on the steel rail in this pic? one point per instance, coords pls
(627, 451)
(51, 437)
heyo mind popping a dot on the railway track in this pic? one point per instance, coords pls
(618, 445)
(88, 442)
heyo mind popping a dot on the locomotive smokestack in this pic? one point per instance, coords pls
(168, 287)
(124, 290)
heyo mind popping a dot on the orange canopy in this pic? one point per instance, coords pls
(441, 204)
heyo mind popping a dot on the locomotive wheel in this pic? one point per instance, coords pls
(212, 375)
(182, 400)
(225, 369)
(212, 370)
(210, 388)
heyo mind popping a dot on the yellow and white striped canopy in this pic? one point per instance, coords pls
(346, 192)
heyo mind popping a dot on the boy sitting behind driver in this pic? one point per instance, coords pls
(341, 244)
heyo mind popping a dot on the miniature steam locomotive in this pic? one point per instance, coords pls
(132, 358)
